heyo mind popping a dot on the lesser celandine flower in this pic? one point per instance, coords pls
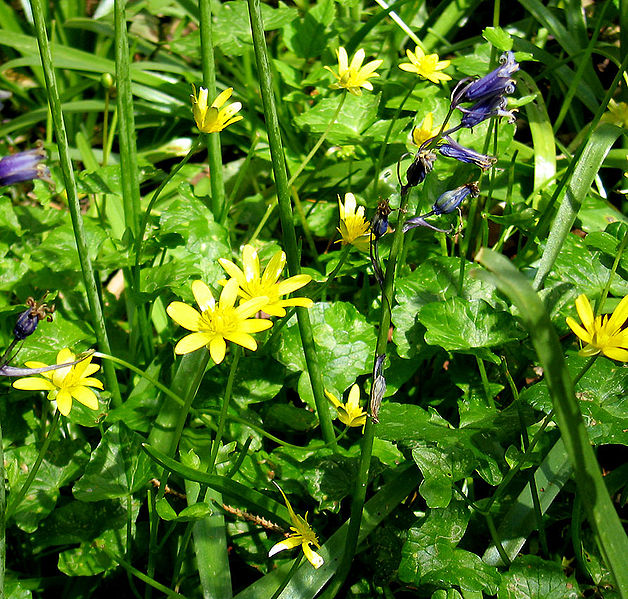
(214, 118)
(302, 535)
(354, 228)
(354, 76)
(65, 383)
(427, 66)
(253, 285)
(603, 333)
(349, 413)
(425, 131)
(219, 322)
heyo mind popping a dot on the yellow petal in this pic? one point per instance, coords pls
(91, 382)
(229, 293)
(222, 97)
(217, 349)
(616, 353)
(191, 343)
(65, 355)
(203, 296)
(184, 316)
(619, 317)
(243, 339)
(250, 262)
(250, 307)
(331, 397)
(233, 271)
(358, 59)
(273, 269)
(292, 284)
(33, 383)
(85, 396)
(64, 401)
(584, 311)
(289, 543)
(314, 558)
(578, 330)
(343, 60)
(255, 325)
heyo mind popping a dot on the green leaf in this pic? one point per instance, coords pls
(189, 223)
(77, 522)
(342, 357)
(530, 577)
(194, 512)
(468, 325)
(117, 467)
(358, 113)
(308, 37)
(430, 557)
(62, 463)
(498, 37)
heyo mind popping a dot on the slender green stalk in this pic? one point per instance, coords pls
(224, 411)
(212, 139)
(67, 171)
(361, 483)
(3, 539)
(129, 172)
(287, 220)
(320, 141)
(210, 542)
(14, 501)
(607, 287)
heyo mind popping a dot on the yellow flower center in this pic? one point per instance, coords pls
(256, 288)
(220, 321)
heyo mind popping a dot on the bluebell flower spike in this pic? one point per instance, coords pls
(484, 109)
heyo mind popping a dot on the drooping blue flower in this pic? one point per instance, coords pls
(23, 166)
(421, 165)
(497, 83)
(450, 200)
(28, 320)
(446, 203)
(484, 109)
(453, 149)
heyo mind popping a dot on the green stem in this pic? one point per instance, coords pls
(14, 502)
(3, 540)
(318, 292)
(224, 411)
(126, 137)
(361, 483)
(210, 542)
(286, 216)
(212, 140)
(67, 171)
(320, 141)
(607, 287)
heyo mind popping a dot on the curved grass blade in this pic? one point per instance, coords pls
(600, 510)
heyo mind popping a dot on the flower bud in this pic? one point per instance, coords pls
(452, 149)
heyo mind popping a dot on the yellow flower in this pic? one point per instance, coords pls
(219, 322)
(303, 535)
(252, 285)
(426, 66)
(66, 383)
(354, 76)
(214, 118)
(349, 413)
(354, 228)
(426, 131)
(617, 114)
(602, 334)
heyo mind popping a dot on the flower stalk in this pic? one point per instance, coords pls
(89, 277)
(286, 216)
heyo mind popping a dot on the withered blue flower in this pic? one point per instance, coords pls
(23, 166)
(446, 203)
(453, 149)
(484, 109)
